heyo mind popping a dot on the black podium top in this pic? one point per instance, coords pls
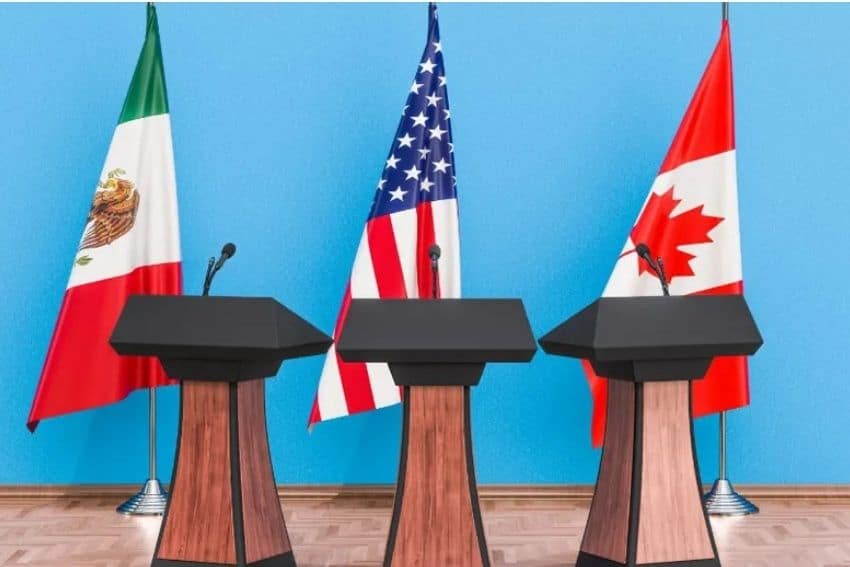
(438, 342)
(215, 337)
(436, 331)
(656, 338)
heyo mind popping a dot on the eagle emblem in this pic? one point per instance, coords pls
(113, 211)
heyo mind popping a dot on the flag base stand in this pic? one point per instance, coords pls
(149, 501)
(152, 498)
(723, 500)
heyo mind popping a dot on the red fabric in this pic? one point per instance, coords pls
(389, 277)
(425, 237)
(356, 386)
(707, 129)
(81, 371)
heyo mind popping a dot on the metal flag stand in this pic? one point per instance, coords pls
(722, 499)
(151, 499)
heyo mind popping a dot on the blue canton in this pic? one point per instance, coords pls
(420, 166)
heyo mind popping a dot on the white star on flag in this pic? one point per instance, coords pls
(436, 132)
(412, 173)
(419, 119)
(405, 141)
(398, 194)
(442, 166)
(427, 67)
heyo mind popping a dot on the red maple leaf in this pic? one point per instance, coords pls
(664, 234)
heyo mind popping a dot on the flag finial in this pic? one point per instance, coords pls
(725, 10)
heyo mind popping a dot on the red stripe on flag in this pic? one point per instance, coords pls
(726, 385)
(425, 237)
(315, 413)
(708, 127)
(81, 371)
(385, 260)
(353, 375)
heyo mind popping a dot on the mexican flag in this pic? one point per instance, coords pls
(690, 219)
(130, 245)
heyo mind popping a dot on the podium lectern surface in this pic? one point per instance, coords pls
(444, 330)
(437, 349)
(214, 328)
(657, 328)
(647, 507)
(223, 509)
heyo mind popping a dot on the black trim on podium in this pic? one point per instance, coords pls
(402, 470)
(637, 477)
(473, 485)
(173, 474)
(285, 560)
(236, 475)
(589, 560)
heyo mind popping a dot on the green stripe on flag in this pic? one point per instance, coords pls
(147, 95)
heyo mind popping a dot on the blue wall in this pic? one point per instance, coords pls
(282, 117)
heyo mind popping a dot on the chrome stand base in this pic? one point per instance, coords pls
(149, 501)
(722, 500)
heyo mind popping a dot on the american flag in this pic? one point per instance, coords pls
(415, 206)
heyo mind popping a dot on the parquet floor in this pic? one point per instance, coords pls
(351, 531)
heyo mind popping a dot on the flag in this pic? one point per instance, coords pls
(415, 206)
(130, 245)
(690, 219)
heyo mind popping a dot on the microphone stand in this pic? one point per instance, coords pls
(659, 270)
(435, 274)
(208, 277)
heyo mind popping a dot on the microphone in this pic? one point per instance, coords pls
(434, 253)
(227, 252)
(657, 265)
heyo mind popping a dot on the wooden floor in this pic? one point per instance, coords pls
(352, 531)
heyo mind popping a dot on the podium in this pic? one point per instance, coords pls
(436, 350)
(224, 508)
(647, 507)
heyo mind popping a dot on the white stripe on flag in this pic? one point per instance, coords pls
(331, 396)
(363, 283)
(447, 234)
(405, 225)
(384, 389)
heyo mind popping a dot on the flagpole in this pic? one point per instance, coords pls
(722, 499)
(151, 499)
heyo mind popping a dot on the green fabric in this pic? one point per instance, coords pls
(147, 95)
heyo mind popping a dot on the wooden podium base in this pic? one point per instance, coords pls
(647, 508)
(224, 509)
(436, 518)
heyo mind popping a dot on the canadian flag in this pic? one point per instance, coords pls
(690, 219)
